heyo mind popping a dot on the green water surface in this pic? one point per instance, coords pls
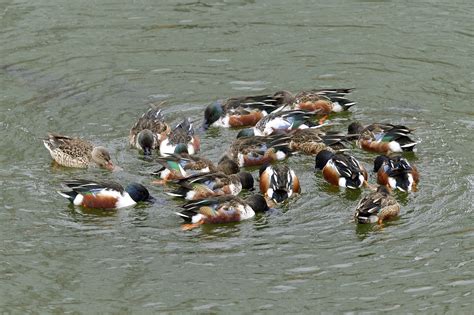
(90, 68)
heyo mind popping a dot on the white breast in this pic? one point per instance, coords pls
(246, 212)
(222, 122)
(165, 149)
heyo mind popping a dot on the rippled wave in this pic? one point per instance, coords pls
(91, 72)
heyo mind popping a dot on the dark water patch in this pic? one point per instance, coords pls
(91, 74)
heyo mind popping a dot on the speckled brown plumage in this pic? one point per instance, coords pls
(74, 152)
(377, 206)
(252, 151)
(311, 141)
(152, 120)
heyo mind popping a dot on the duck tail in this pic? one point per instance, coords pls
(334, 92)
(344, 102)
(366, 213)
(180, 192)
(69, 195)
(157, 172)
(279, 141)
(335, 140)
(265, 104)
(407, 144)
(363, 219)
(154, 113)
(186, 215)
(338, 96)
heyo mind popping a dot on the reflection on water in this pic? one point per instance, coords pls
(68, 69)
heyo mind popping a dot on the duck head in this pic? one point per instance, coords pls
(101, 157)
(258, 203)
(138, 192)
(145, 139)
(322, 158)
(212, 114)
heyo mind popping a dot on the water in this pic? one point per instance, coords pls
(90, 68)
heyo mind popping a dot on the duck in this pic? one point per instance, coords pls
(104, 195)
(382, 138)
(182, 135)
(396, 172)
(205, 185)
(377, 207)
(341, 169)
(278, 182)
(248, 151)
(240, 111)
(177, 166)
(146, 134)
(75, 152)
(221, 209)
(311, 141)
(322, 101)
(282, 120)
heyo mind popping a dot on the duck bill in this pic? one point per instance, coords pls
(151, 199)
(111, 167)
(196, 143)
(205, 125)
(279, 196)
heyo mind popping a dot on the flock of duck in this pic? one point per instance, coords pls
(271, 128)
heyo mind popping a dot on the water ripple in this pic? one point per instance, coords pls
(71, 70)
